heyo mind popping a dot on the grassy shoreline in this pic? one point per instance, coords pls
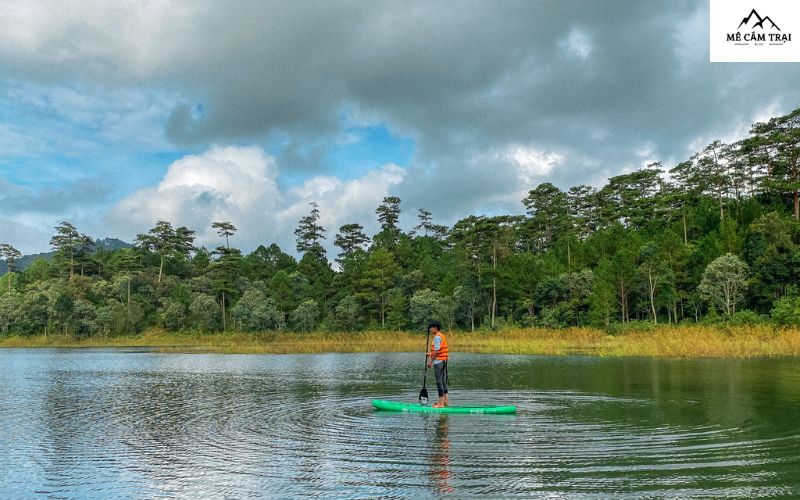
(666, 341)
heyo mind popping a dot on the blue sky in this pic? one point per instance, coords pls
(114, 115)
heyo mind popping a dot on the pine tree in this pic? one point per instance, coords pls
(70, 245)
(225, 229)
(166, 242)
(350, 239)
(310, 233)
(10, 255)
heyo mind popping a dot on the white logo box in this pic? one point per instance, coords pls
(754, 30)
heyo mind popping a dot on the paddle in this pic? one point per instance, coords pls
(423, 394)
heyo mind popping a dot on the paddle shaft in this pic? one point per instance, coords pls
(424, 392)
(425, 369)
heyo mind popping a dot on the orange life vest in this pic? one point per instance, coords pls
(442, 352)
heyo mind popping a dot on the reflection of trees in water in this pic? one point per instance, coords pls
(99, 426)
(63, 413)
(440, 459)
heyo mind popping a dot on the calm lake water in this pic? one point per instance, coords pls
(137, 424)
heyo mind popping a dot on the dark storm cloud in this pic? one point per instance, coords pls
(605, 85)
(597, 80)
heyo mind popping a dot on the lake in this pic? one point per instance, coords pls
(138, 424)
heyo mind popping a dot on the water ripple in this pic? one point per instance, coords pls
(110, 424)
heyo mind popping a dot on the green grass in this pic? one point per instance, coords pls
(663, 341)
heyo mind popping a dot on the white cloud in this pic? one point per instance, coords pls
(239, 184)
(532, 164)
(225, 183)
(342, 202)
(577, 43)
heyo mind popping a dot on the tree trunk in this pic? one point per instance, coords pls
(652, 290)
(494, 283)
(223, 311)
(569, 259)
(685, 235)
(381, 300)
(128, 315)
(795, 198)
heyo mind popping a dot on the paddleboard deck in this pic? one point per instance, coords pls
(382, 404)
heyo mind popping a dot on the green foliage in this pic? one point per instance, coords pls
(397, 309)
(204, 313)
(310, 234)
(724, 283)
(348, 313)
(173, 315)
(306, 315)
(786, 311)
(719, 234)
(746, 318)
(256, 312)
(9, 306)
(426, 305)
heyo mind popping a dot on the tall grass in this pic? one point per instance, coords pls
(664, 341)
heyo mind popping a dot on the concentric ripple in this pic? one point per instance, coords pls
(105, 423)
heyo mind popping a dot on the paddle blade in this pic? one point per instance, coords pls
(423, 396)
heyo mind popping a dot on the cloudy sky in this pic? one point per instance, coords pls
(115, 114)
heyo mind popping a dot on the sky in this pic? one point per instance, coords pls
(114, 115)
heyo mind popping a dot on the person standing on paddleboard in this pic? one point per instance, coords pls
(437, 358)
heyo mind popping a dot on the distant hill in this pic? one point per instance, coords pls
(26, 260)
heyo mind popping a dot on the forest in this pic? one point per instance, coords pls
(713, 240)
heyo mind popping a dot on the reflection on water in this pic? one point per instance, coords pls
(107, 423)
(440, 459)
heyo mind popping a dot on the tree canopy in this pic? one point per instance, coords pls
(709, 239)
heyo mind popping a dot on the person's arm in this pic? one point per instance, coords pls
(437, 346)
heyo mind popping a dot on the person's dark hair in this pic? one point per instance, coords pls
(436, 324)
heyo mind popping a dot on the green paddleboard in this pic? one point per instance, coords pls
(408, 407)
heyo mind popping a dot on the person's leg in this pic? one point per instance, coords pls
(438, 371)
(445, 399)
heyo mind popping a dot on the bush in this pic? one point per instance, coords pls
(745, 318)
(426, 305)
(204, 313)
(786, 311)
(256, 312)
(348, 312)
(306, 314)
(174, 315)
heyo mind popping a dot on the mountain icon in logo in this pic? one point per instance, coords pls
(760, 23)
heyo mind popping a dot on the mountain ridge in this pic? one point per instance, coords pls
(26, 260)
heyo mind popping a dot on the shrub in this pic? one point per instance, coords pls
(744, 318)
(786, 311)
(204, 313)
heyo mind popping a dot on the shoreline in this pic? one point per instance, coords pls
(656, 342)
